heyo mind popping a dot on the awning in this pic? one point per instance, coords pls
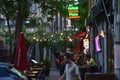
(80, 35)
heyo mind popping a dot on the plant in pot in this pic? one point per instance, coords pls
(47, 64)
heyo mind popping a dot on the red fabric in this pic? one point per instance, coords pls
(21, 59)
(79, 46)
(83, 34)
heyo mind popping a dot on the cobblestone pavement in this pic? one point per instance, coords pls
(54, 75)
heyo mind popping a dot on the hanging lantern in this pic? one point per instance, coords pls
(86, 43)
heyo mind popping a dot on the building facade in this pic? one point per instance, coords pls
(104, 24)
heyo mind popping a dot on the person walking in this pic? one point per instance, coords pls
(71, 71)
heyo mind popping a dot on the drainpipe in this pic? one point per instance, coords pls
(116, 7)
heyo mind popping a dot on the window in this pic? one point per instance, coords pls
(33, 7)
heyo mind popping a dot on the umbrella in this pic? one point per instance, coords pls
(21, 58)
(80, 35)
(79, 46)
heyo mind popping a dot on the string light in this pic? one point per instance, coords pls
(34, 37)
(70, 40)
(37, 40)
(61, 33)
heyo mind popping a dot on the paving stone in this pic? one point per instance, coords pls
(54, 75)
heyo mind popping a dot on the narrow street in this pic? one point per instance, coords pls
(54, 72)
(54, 75)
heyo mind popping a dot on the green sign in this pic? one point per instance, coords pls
(73, 14)
(73, 7)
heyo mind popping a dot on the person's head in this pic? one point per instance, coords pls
(68, 57)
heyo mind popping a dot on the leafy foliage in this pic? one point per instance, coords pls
(47, 63)
(49, 8)
(8, 7)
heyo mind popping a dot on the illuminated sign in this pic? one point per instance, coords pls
(70, 11)
(73, 7)
(73, 12)
(73, 17)
(97, 44)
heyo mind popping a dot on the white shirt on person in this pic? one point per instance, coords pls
(72, 71)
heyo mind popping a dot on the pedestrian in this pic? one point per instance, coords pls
(71, 71)
(62, 67)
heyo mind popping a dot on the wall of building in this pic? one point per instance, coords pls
(100, 22)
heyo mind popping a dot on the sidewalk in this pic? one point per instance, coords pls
(54, 75)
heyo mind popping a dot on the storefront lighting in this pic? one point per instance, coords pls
(97, 44)
(73, 17)
(73, 14)
(102, 33)
(73, 7)
(73, 11)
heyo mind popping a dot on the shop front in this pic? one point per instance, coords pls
(101, 35)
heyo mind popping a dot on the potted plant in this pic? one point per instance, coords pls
(47, 64)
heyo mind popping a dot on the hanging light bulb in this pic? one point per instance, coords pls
(61, 33)
(32, 30)
(76, 29)
(70, 39)
(37, 40)
(34, 37)
(40, 40)
(52, 35)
